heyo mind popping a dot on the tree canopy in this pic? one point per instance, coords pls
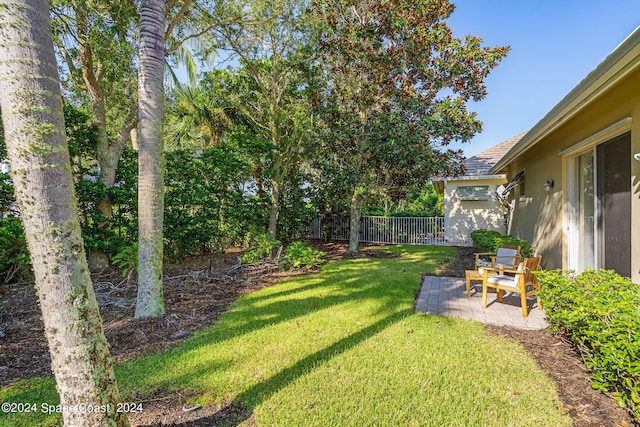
(398, 83)
(322, 105)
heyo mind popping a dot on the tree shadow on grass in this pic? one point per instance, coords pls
(249, 316)
(345, 286)
(243, 405)
(391, 293)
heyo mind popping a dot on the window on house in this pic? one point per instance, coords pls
(522, 187)
(473, 192)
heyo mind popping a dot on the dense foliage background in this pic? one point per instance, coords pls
(263, 140)
(212, 199)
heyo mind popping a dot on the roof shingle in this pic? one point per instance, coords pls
(480, 164)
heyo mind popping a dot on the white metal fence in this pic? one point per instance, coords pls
(381, 229)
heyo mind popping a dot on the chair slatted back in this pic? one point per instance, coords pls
(531, 265)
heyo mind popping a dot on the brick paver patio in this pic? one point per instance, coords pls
(448, 296)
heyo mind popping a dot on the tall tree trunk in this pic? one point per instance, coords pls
(275, 209)
(276, 194)
(357, 197)
(354, 222)
(150, 300)
(41, 171)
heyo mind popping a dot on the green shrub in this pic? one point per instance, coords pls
(204, 210)
(491, 240)
(525, 247)
(484, 239)
(14, 257)
(127, 259)
(261, 247)
(412, 213)
(600, 313)
(301, 254)
(372, 210)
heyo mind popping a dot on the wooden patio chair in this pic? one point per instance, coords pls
(507, 256)
(521, 281)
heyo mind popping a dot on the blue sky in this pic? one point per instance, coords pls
(554, 45)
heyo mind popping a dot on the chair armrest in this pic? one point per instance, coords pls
(484, 253)
(477, 256)
(502, 270)
(511, 270)
(487, 270)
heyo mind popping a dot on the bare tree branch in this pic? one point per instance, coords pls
(174, 21)
(176, 45)
(73, 70)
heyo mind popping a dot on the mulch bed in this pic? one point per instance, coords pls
(198, 290)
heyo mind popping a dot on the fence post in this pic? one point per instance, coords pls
(393, 230)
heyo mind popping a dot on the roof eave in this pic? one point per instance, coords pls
(618, 65)
(478, 177)
(440, 181)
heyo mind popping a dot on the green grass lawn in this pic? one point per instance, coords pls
(343, 347)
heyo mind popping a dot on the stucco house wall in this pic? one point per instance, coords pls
(603, 106)
(464, 216)
(537, 213)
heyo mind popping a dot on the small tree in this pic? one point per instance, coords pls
(398, 86)
(271, 40)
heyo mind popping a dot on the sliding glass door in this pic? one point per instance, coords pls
(585, 208)
(599, 207)
(614, 203)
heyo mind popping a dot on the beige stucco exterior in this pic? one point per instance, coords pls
(605, 105)
(464, 216)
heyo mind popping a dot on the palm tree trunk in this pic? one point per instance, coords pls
(36, 144)
(150, 300)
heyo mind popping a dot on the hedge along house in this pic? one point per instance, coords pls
(580, 207)
(469, 200)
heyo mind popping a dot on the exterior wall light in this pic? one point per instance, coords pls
(548, 185)
(637, 156)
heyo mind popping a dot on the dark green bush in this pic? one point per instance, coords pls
(483, 240)
(491, 240)
(412, 201)
(294, 209)
(600, 313)
(413, 213)
(205, 208)
(210, 204)
(373, 211)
